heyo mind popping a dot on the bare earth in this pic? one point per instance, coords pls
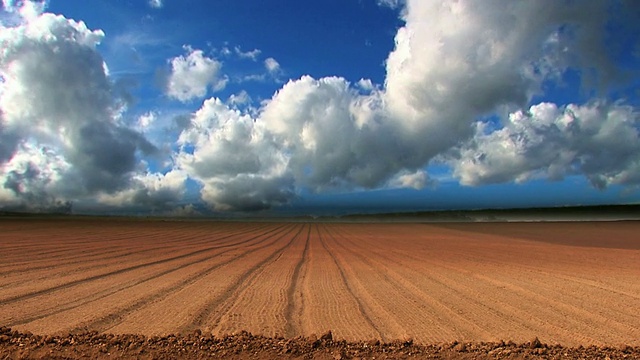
(384, 290)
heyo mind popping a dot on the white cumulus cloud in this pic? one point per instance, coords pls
(150, 192)
(192, 75)
(62, 135)
(454, 64)
(237, 164)
(598, 140)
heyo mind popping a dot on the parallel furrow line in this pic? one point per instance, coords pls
(398, 282)
(231, 294)
(488, 309)
(122, 254)
(343, 277)
(22, 297)
(291, 328)
(105, 323)
(96, 297)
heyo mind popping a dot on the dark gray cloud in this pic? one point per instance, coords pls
(32, 195)
(8, 143)
(59, 102)
(106, 155)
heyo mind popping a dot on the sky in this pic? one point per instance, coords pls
(200, 107)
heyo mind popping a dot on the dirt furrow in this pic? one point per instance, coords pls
(125, 246)
(221, 305)
(445, 315)
(454, 301)
(121, 285)
(167, 287)
(604, 312)
(328, 305)
(364, 312)
(22, 297)
(528, 319)
(372, 287)
(563, 283)
(259, 303)
(127, 257)
(601, 310)
(538, 314)
(425, 317)
(66, 240)
(296, 303)
(188, 297)
(602, 327)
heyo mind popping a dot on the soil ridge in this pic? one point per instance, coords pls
(244, 345)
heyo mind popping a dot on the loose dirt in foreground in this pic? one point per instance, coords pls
(15, 345)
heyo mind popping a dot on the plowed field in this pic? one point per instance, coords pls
(568, 283)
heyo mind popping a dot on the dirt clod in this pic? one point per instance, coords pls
(244, 345)
(462, 347)
(328, 336)
(535, 343)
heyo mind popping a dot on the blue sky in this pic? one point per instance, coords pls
(277, 106)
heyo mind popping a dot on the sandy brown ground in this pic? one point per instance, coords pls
(575, 284)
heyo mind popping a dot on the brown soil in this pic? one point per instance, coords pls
(575, 284)
(244, 345)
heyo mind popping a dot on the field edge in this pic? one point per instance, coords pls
(244, 345)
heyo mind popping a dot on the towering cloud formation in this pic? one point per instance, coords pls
(455, 62)
(460, 88)
(60, 130)
(238, 163)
